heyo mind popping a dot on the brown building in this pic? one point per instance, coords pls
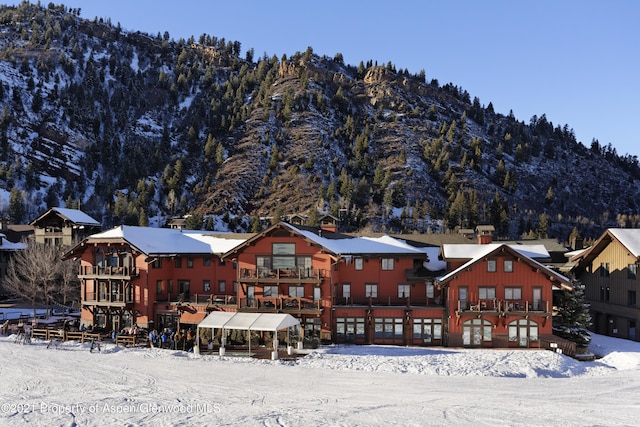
(63, 227)
(609, 271)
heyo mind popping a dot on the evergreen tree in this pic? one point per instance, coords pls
(572, 318)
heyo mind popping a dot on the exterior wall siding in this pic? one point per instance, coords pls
(610, 291)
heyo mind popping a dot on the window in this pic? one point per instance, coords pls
(388, 328)
(283, 248)
(357, 263)
(206, 262)
(508, 265)
(476, 331)
(169, 286)
(513, 293)
(523, 332)
(632, 271)
(178, 262)
(371, 290)
(486, 293)
(346, 290)
(206, 285)
(296, 291)
(491, 265)
(270, 291)
(184, 287)
(404, 291)
(463, 297)
(316, 294)
(604, 269)
(189, 262)
(387, 263)
(430, 290)
(631, 298)
(158, 287)
(349, 328)
(222, 286)
(156, 263)
(427, 330)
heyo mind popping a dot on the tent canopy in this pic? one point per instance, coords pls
(249, 321)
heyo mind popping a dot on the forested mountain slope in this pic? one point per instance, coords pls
(136, 128)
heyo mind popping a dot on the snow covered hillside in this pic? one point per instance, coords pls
(341, 385)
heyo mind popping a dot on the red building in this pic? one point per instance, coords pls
(499, 295)
(153, 277)
(342, 288)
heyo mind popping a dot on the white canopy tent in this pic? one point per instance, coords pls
(272, 322)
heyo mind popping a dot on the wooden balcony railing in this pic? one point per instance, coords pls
(108, 298)
(267, 274)
(208, 299)
(388, 301)
(504, 306)
(280, 304)
(98, 271)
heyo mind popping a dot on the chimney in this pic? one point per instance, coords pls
(485, 234)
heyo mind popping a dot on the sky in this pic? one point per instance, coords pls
(333, 385)
(576, 61)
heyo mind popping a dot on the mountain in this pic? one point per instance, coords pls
(135, 128)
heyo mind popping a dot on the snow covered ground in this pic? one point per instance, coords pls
(339, 385)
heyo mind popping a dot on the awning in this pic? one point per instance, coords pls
(249, 321)
(192, 318)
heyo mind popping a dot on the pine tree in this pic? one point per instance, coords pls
(572, 318)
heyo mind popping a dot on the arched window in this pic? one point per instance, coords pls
(523, 331)
(476, 331)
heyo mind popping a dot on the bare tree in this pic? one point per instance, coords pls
(68, 285)
(32, 273)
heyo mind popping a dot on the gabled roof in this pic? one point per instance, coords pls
(339, 244)
(73, 215)
(522, 253)
(629, 238)
(164, 241)
(471, 251)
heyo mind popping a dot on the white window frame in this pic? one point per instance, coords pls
(404, 290)
(387, 264)
(371, 290)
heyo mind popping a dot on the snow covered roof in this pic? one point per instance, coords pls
(486, 250)
(359, 245)
(169, 241)
(471, 251)
(7, 245)
(629, 237)
(74, 215)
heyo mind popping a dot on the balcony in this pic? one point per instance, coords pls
(100, 272)
(117, 299)
(283, 275)
(290, 305)
(388, 301)
(197, 299)
(504, 306)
